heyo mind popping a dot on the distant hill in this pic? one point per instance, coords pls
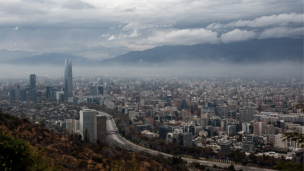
(13, 54)
(51, 59)
(250, 52)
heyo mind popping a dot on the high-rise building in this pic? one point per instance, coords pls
(246, 113)
(33, 95)
(231, 129)
(185, 139)
(53, 93)
(22, 95)
(48, 92)
(246, 127)
(100, 90)
(232, 114)
(32, 81)
(100, 127)
(224, 124)
(93, 90)
(261, 128)
(86, 121)
(70, 125)
(12, 95)
(163, 131)
(248, 146)
(225, 147)
(68, 80)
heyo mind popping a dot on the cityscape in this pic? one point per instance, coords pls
(237, 119)
(161, 85)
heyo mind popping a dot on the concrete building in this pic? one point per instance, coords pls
(225, 147)
(22, 95)
(246, 113)
(185, 139)
(12, 95)
(163, 131)
(261, 128)
(279, 143)
(86, 121)
(224, 124)
(142, 127)
(77, 126)
(246, 127)
(100, 127)
(231, 129)
(270, 130)
(33, 95)
(70, 125)
(248, 146)
(93, 90)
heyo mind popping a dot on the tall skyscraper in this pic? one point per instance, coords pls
(68, 80)
(32, 81)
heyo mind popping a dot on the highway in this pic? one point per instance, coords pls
(115, 138)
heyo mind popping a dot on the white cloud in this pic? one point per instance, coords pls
(135, 24)
(182, 37)
(104, 35)
(237, 35)
(16, 28)
(281, 19)
(76, 4)
(112, 37)
(134, 33)
(282, 32)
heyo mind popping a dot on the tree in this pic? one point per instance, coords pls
(231, 167)
(252, 157)
(244, 162)
(42, 123)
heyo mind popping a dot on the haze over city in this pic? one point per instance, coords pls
(151, 85)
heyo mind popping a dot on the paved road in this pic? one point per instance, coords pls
(115, 138)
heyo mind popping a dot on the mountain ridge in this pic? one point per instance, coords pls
(250, 52)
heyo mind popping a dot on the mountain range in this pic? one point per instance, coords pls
(250, 52)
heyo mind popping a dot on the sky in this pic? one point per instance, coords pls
(99, 29)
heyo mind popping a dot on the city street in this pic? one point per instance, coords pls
(118, 140)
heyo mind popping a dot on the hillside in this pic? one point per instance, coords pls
(43, 149)
(250, 52)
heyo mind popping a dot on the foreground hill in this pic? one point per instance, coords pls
(34, 147)
(250, 52)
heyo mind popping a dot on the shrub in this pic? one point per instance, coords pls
(244, 162)
(15, 154)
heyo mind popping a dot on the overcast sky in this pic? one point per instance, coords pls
(82, 27)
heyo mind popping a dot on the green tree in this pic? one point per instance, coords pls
(231, 167)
